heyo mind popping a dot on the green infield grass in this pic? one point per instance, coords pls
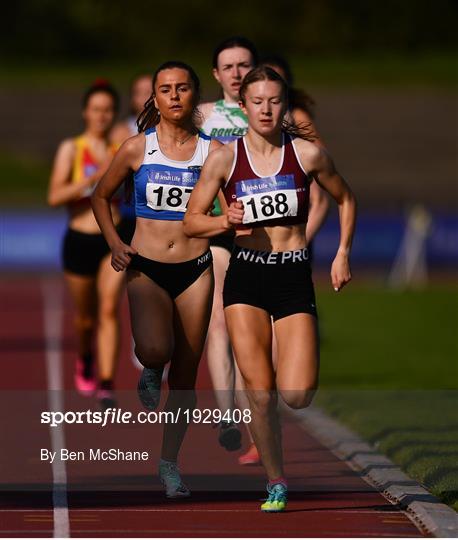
(389, 372)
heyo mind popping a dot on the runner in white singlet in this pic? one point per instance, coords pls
(225, 121)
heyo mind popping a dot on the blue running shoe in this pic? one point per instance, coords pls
(169, 475)
(277, 499)
(149, 387)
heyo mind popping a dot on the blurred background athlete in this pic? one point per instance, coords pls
(224, 120)
(141, 89)
(93, 284)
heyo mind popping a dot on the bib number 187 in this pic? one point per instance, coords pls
(165, 197)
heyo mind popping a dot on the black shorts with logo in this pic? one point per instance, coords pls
(174, 278)
(278, 282)
(82, 253)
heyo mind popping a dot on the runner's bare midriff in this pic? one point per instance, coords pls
(279, 238)
(165, 241)
(82, 219)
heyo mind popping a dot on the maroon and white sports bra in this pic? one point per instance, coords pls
(279, 199)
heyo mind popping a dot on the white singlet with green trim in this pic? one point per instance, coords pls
(226, 122)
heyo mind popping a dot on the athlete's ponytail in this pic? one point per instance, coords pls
(265, 73)
(150, 116)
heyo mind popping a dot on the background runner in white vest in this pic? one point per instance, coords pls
(225, 120)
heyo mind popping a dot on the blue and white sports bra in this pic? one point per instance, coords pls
(162, 185)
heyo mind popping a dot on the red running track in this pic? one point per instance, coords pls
(124, 499)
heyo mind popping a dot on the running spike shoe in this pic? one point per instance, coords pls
(277, 498)
(149, 387)
(85, 381)
(251, 457)
(169, 475)
(106, 399)
(229, 436)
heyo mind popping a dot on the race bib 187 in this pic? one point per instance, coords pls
(267, 198)
(170, 190)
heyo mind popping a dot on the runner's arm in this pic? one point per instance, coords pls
(319, 201)
(196, 221)
(61, 190)
(125, 161)
(325, 173)
(318, 210)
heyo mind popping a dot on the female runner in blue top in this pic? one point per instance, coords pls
(265, 177)
(169, 275)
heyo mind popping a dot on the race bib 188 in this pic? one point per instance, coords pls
(170, 190)
(267, 198)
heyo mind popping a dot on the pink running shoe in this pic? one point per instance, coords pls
(85, 382)
(251, 457)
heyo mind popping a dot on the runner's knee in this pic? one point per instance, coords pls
(108, 309)
(298, 399)
(152, 355)
(262, 400)
(84, 323)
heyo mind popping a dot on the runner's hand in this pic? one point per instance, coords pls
(235, 213)
(120, 256)
(340, 271)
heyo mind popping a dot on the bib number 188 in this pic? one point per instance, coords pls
(268, 206)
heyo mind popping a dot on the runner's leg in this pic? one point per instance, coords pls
(190, 324)
(110, 285)
(298, 359)
(250, 330)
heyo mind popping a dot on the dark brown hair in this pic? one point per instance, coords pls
(265, 73)
(297, 99)
(150, 116)
(101, 86)
(231, 43)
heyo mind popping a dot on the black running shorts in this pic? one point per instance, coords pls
(82, 253)
(172, 277)
(278, 282)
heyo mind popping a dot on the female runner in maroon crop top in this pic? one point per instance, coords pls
(265, 178)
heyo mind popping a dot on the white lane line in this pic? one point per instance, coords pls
(209, 510)
(52, 306)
